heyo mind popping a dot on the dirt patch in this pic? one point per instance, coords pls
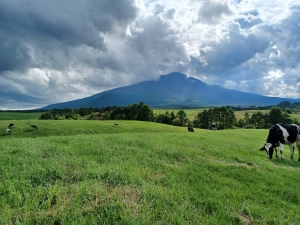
(245, 219)
(157, 175)
(238, 164)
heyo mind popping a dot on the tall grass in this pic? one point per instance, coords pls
(143, 173)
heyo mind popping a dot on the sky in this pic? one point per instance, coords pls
(56, 51)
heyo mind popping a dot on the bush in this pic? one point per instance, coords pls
(250, 126)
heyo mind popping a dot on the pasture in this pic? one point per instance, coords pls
(91, 172)
(191, 113)
(6, 115)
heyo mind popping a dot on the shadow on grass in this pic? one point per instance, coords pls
(30, 130)
(286, 162)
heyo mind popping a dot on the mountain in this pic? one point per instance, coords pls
(172, 90)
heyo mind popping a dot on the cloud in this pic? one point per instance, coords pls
(52, 52)
(213, 11)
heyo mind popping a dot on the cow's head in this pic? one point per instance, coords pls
(269, 148)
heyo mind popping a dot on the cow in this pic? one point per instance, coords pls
(11, 125)
(33, 126)
(213, 126)
(190, 128)
(9, 131)
(281, 146)
(282, 134)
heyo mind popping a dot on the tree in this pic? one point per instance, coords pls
(182, 117)
(83, 111)
(246, 118)
(284, 104)
(172, 116)
(46, 116)
(144, 112)
(223, 112)
(286, 118)
(202, 119)
(257, 119)
(230, 118)
(162, 118)
(224, 118)
(240, 123)
(276, 115)
(116, 113)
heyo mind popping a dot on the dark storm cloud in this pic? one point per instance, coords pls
(232, 52)
(158, 43)
(45, 24)
(59, 51)
(14, 53)
(235, 51)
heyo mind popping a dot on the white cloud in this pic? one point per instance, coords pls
(78, 48)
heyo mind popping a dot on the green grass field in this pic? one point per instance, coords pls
(91, 172)
(19, 115)
(192, 113)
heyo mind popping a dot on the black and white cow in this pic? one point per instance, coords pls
(190, 128)
(213, 126)
(282, 134)
(33, 126)
(9, 131)
(11, 125)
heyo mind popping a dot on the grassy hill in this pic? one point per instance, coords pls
(91, 172)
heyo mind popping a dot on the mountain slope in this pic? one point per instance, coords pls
(172, 90)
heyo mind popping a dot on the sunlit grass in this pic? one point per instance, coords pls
(143, 173)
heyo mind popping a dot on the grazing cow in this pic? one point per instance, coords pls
(281, 147)
(280, 135)
(190, 128)
(213, 126)
(33, 126)
(9, 131)
(11, 125)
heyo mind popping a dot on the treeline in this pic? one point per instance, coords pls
(261, 120)
(223, 116)
(286, 106)
(75, 114)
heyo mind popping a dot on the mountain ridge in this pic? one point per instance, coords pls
(171, 90)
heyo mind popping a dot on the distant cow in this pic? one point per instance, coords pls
(213, 126)
(33, 126)
(280, 135)
(9, 131)
(190, 128)
(11, 125)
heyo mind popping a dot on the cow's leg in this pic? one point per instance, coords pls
(292, 151)
(276, 150)
(298, 146)
(281, 150)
